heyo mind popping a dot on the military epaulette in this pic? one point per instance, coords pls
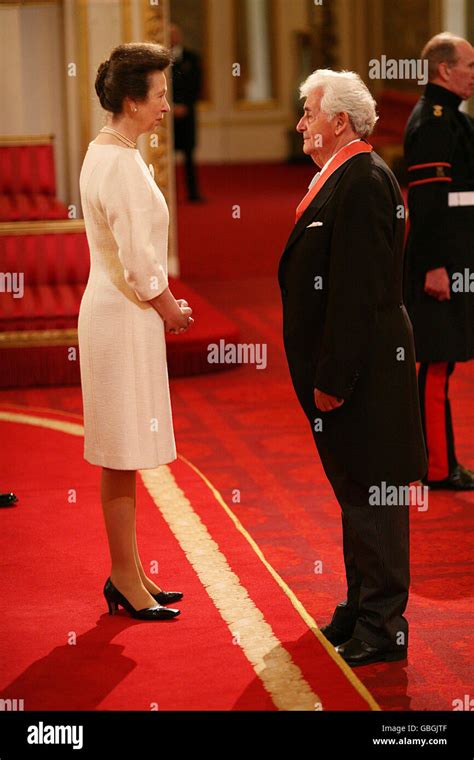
(436, 171)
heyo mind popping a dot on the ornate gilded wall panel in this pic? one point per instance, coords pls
(155, 29)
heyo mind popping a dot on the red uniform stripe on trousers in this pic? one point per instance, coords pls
(435, 421)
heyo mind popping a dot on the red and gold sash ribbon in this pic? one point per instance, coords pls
(348, 151)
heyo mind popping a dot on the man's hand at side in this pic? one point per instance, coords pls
(326, 403)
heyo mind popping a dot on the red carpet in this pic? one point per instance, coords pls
(239, 644)
(245, 222)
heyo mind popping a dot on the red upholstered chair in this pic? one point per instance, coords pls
(27, 179)
(39, 329)
(53, 258)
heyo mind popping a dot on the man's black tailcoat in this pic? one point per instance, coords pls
(352, 337)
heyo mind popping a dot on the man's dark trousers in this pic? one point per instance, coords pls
(378, 583)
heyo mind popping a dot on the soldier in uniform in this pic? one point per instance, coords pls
(439, 262)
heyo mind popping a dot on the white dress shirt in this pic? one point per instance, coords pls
(318, 174)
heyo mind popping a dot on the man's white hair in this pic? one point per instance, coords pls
(343, 91)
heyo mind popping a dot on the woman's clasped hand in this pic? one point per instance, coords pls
(180, 319)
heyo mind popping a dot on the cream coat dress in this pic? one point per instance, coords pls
(124, 376)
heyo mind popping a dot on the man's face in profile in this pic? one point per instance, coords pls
(317, 131)
(461, 74)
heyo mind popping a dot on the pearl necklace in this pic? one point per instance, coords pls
(123, 138)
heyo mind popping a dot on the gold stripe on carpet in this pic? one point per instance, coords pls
(73, 428)
(301, 610)
(272, 663)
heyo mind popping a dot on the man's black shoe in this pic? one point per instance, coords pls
(335, 635)
(356, 652)
(8, 499)
(460, 479)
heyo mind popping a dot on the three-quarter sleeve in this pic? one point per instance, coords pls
(127, 202)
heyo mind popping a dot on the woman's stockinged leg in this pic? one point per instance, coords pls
(147, 582)
(118, 504)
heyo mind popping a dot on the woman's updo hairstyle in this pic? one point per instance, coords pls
(126, 73)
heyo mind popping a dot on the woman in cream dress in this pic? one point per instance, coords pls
(125, 310)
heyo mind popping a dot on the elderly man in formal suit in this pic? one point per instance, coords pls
(350, 350)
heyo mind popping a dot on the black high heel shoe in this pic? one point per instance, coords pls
(114, 598)
(167, 597)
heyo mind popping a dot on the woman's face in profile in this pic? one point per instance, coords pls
(156, 105)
